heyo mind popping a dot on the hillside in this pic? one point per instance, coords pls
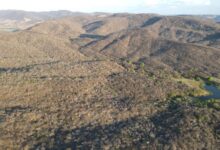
(109, 81)
(18, 19)
(139, 44)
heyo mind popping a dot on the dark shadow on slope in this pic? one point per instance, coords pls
(10, 110)
(151, 21)
(93, 26)
(167, 123)
(25, 68)
(212, 37)
(123, 103)
(159, 131)
(217, 131)
(13, 70)
(115, 41)
(90, 137)
(2, 118)
(92, 36)
(134, 133)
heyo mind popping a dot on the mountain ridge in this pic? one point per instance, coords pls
(109, 81)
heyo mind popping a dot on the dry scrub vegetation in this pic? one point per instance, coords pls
(127, 87)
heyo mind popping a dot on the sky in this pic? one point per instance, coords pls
(132, 6)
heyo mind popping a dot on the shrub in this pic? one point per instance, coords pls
(130, 62)
(212, 103)
(142, 65)
(209, 78)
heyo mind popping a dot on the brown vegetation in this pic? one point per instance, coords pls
(107, 81)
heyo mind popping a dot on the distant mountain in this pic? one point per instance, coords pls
(217, 18)
(214, 17)
(180, 42)
(22, 19)
(108, 81)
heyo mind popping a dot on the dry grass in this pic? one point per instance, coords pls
(58, 94)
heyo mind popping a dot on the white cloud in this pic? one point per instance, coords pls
(74, 5)
(196, 2)
(151, 3)
(101, 5)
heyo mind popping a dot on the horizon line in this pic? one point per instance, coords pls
(122, 12)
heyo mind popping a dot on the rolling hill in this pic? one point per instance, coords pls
(108, 81)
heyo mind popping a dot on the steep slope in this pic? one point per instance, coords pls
(184, 29)
(140, 44)
(115, 23)
(187, 29)
(96, 24)
(66, 27)
(24, 47)
(110, 81)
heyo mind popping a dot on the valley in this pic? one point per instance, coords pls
(110, 81)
